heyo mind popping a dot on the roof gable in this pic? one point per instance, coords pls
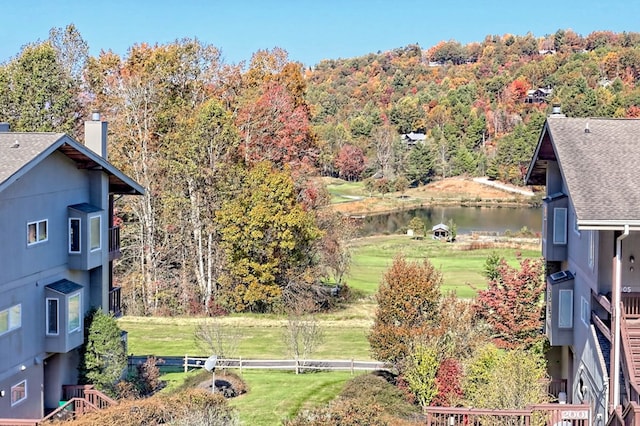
(598, 159)
(20, 152)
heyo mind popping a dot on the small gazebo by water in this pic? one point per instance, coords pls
(441, 232)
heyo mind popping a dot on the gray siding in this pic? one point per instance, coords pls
(44, 193)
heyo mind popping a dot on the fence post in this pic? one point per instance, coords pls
(186, 361)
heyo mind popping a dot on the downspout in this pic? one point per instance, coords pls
(617, 297)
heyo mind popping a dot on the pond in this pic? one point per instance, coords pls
(491, 220)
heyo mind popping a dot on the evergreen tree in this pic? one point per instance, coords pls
(103, 355)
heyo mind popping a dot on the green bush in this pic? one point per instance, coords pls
(103, 358)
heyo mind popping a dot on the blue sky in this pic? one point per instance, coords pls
(309, 30)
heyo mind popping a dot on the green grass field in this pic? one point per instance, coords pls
(462, 270)
(344, 338)
(276, 395)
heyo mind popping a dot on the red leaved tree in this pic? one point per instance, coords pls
(274, 128)
(448, 380)
(512, 304)
(350, 162)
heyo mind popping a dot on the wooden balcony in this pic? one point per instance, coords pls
(115, 306)
(547, 414)
(114, 243)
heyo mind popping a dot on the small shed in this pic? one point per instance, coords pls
(440, 232)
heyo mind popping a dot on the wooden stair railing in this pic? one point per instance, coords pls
(630, 339)
(81, 399)
(71, 409)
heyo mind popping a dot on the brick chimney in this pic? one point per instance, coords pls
(95, 135)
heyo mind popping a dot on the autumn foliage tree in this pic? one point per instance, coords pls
(350, 162)
(512, 304)
(408, 299)
(448, 383)
(268, 239)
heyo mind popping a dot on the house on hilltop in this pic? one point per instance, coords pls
(539, 95)
(591, 242)
(412, 138)
(59, 245)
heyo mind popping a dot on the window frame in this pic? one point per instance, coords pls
(73, 238)
(72, 320)
(20, 387)
(13, 323)
(48, 317)
(39, 225)
(557, 222)
(93, 234)
(565, 309)
(585, 311)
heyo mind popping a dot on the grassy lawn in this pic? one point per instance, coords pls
(276, 395)
(344, 338)
(461, 269)
(342, 191)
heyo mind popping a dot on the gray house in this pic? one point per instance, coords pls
(58, 248)
(590, 242)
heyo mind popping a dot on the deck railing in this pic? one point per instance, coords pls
(631, 302)
(70, 410)
(115, 300)
(88, 393)
(540, 414)
(114, 243)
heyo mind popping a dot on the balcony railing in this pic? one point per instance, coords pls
(115, 302)
(549, 414)
(114, 243)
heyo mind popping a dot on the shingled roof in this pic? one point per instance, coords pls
(599, 159)
(19, 152)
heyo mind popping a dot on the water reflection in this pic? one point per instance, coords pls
(467, 219)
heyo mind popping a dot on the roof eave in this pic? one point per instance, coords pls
(608, 225)
(534, 176)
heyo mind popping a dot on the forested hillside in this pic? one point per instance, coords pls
(229, 153)
(470, 101)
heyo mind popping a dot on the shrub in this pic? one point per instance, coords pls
(376, 390)
(103, 359)
(191, 407)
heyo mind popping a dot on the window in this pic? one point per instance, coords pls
(52, 317)
(37, 232)
(18, 393)
(74, 235)
(585, 312)
(74, 309)
(560, 225)
(565, 305)
(95, 232)
(10, 319)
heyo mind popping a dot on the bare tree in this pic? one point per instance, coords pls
(218, 337)
(302, 335)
